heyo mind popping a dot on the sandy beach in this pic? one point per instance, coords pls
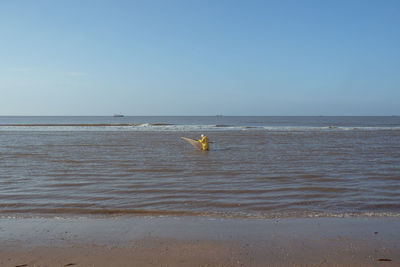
(191, 241)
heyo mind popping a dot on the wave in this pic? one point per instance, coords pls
(85, 212)
(177, 127)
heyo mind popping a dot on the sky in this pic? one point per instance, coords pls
(199, 57)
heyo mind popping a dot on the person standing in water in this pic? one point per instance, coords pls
(204, 142)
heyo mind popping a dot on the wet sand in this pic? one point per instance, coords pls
(194, 241)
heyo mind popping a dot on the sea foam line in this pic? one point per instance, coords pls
(174, 127)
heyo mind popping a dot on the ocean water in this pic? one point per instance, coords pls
(261, 167)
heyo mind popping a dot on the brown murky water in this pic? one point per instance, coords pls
(251, 170)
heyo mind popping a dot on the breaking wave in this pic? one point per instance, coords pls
(177, 127)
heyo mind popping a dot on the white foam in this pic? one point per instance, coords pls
(180, 128)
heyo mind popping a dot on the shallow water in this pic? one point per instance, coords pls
(256, 168)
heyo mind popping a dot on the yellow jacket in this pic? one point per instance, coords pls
(204, 143)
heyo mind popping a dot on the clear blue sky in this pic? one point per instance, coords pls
(200, 57)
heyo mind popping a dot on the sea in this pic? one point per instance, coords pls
(257, 166)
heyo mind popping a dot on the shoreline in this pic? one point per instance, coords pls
(199, 241)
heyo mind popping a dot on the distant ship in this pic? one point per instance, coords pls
(118, 115)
